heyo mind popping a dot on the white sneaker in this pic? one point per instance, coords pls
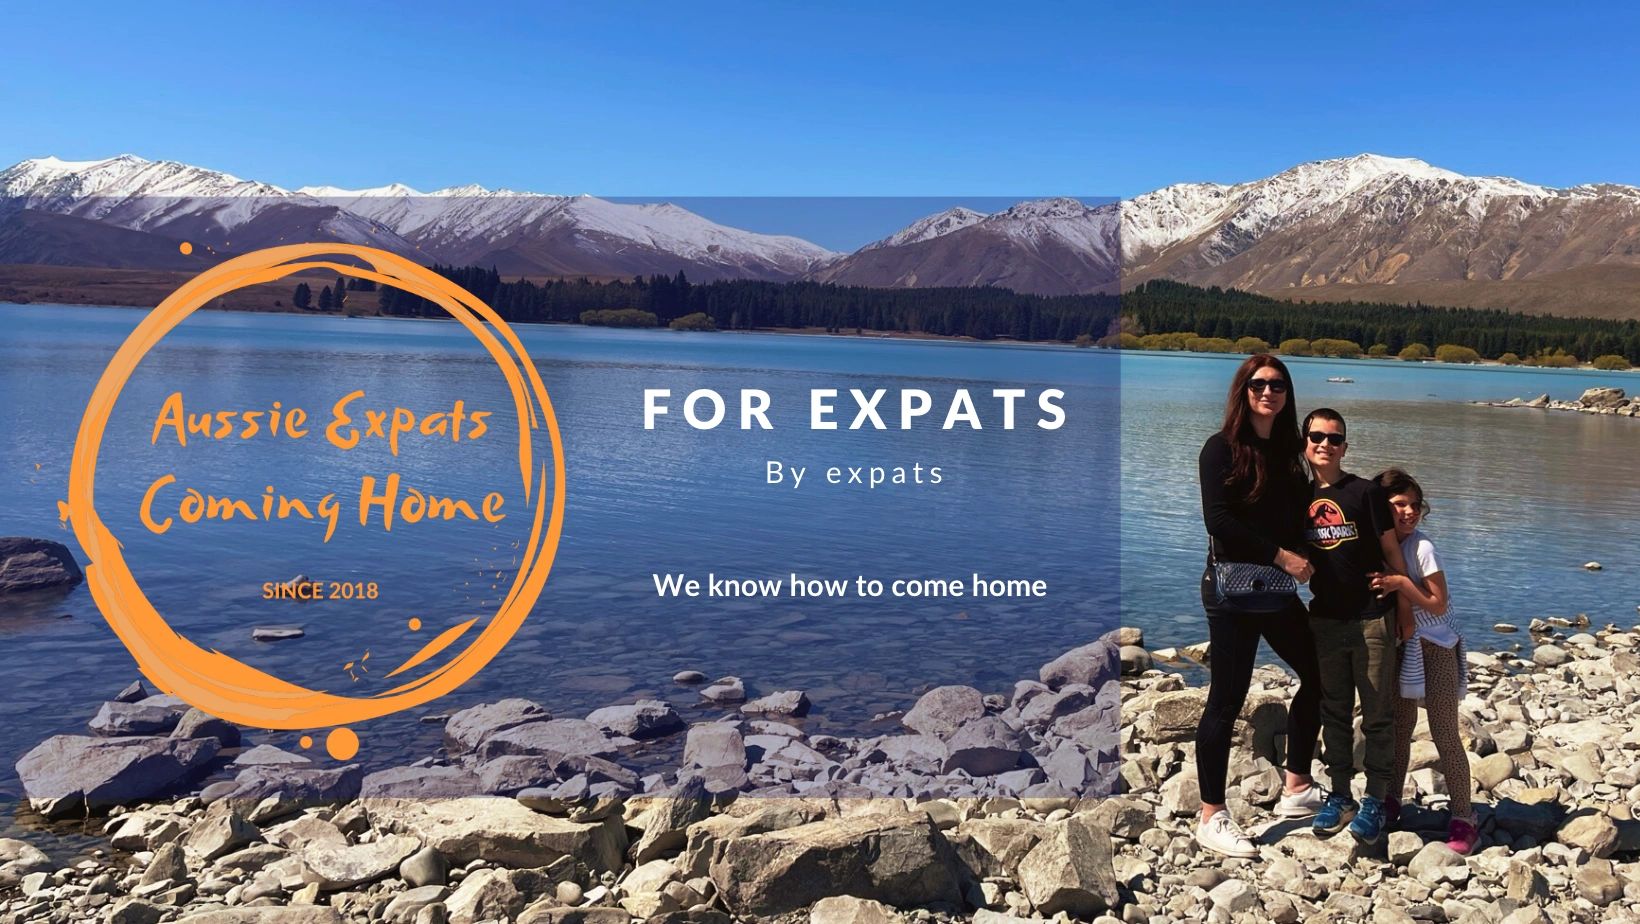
(1219, 833)
(1301, 804)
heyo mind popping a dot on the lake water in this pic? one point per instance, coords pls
(1522, 499)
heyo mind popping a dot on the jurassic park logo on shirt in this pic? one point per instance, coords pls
(1328, 528)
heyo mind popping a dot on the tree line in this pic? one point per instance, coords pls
(987, 313)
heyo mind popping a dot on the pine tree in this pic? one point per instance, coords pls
(324, 299)
(303, 297)
(339, 294)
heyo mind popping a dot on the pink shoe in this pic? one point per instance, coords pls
(1461, 836)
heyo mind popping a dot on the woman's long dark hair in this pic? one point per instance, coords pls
(1248, 466)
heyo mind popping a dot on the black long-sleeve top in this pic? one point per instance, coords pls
(1250, 531)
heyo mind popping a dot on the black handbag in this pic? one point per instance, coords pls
(1243, 587)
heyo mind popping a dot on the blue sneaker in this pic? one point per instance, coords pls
(1368, 826)
(1335, 814)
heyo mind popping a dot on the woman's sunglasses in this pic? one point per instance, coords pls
(1276, 386)
(1317, 437)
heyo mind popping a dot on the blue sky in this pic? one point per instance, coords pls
(774, 99)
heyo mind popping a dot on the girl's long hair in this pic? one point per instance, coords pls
(1249, 467)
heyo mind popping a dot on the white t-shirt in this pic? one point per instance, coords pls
(1422, 562)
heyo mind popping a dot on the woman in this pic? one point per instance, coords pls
(1254, 496)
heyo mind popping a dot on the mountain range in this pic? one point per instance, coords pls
(1368, 226)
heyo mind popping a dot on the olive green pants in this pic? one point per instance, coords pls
(1358, 663)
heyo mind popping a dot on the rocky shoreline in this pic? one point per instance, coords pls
(984, 807)
(1598, 400)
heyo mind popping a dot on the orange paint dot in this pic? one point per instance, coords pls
(342, 743)
(306, 741)
(415, 624)
(186, 248)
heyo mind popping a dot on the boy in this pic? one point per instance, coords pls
(1351, 532)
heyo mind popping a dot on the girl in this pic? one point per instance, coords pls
(1432, 667)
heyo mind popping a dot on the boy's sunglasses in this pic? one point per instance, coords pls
(1317, 437)
(1276, 386)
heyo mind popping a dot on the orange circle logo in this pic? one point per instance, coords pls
(228, 688)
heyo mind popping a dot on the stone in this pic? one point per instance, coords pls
(197, 723)
(667, 821)
(468, 728)
(846, 909)
(689, 677)
(1181, 793)
(515, 773)
(1135, 660)
(1070, 870)
(1091, 664)
(1593, 831)
(277, 633)
(942, 710)
(724, 690)
(425, 867)
(296, 784)
(794, 703)
(36, 564)
(886, 857)
(1601, 396)
(1234, 896)
(545, 913)
(266, 755)
(419, 783)
(1598, 883)
(640, 721)
(1436, 863)
(983, 747)
(1549, 656)
(486, 895)
(135, 911)
(569, 893)
(501, 831)
(758, 816)
(168, 865)
(1522, 883)
(139, 718)
(1403, 846)
(714, 744)
(556, 738)
(220, 832)
(402, 909)
(1493, 769)
(1175, 716)
(337, 868)
(306, 831)
(69, 773)
(306, 914)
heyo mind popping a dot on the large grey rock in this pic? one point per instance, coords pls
(516, 772)
(714, 744)
(402, 909)
(899, 858)
(468, 728)
(501, 831)
(296, 784)
(419, 783)
(336, 868)
(1591, 831)
(1175, 716)
(168, 865)
(724, 690)
(425, 867)
(991, 847)
(486, 895)
(197, 723)
(757, 816)
(984, 747)
(67, 773)
(18, 859)
(144, 717)
(1597, 882)
(648, 718)
(1092, 664)
(668, 818)
(36, 564)
(1070, 870)
(556, 738)
(1436, 863)
(942, 710)
(220, 832)
(266, 755)
(793, 703)
(1601, 397)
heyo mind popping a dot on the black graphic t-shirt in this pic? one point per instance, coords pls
(1343, 528)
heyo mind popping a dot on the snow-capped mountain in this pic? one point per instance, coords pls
(1374, 220)
(517, 232)
(1368, 224)
(1045, 246)
(531, 232)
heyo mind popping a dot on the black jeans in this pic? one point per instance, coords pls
(1233, 639)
